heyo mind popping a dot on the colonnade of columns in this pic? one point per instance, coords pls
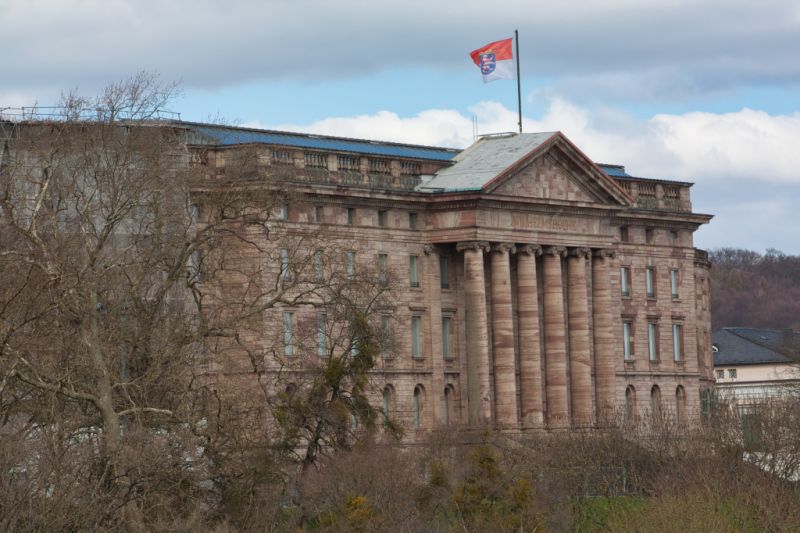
(564, 395)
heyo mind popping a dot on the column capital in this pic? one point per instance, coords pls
(559, 251)
(531, 249)
(504, 247)
(604, 253)
(481, 246)
(580, 252)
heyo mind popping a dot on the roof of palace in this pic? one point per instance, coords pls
(753, 346)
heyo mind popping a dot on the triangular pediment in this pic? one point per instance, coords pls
(557, 170)
(544, 166)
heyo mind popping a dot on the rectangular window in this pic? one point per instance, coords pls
(625, 281)
(416, 326)
(623, 233)
(284, 214)
(652, 341)
(673, 282)
(322, 336)
(382, 219)
(351, 215)
(412, 220)
(650, 281)
(318, 271)
(317, 214)
(720, 374)
(383, 269)
(385, 336)
(732, 373)
(627, 341)
(677, 342)
(413, 271)
(351, 265)
(284, 264)
(649, 235)
(288, 339)
(446, 337)
(443, 274)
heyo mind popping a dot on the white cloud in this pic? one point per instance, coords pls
(746, 144)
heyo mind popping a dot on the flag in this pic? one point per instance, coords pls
(496, 60)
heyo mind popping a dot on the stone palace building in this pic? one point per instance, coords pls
(538, 288)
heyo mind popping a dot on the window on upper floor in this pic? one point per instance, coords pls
(625, 281)
(650, 235)
(627, 340)
(412, 221)
(720, 374)
(444, 275)
(383, 269)
(317, 213)
(650, 282)
(732, 373)
(350, 265)
(652, 341)
(382, 218)
(677, 342)
(446, 320)
(416, 333)
(673, 283)
(623, 234)
(413, 270)
(351, 216)
(288, 334)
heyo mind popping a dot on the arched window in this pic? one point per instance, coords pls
(655, 401)
(418, 404)
(630, 403)
(680, 404)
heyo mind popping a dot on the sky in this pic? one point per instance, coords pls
(705, 91)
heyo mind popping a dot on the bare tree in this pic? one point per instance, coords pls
(136, 294)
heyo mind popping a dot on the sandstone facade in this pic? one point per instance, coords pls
(567, 291)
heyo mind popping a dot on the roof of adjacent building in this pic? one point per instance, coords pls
(753, 346)
(228, 136)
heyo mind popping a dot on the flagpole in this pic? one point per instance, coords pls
(519, 82)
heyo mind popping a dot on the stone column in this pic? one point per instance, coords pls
(505, 375)
(580, 370)
(478, 391)
(530, 356)
(433, 288)
(602, 313)
(555, 345)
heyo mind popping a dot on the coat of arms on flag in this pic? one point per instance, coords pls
(496, 60)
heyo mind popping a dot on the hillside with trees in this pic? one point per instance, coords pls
(755, 290)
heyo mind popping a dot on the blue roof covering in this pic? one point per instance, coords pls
(225, 135)
(616, 171)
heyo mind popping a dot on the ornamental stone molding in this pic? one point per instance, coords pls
(580, 253)
(530, 249)
(428, 249)
(481, 246)
(504, 247)
(555, 250)
(604, 253)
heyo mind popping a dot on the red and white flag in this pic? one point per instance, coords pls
(496, 60)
